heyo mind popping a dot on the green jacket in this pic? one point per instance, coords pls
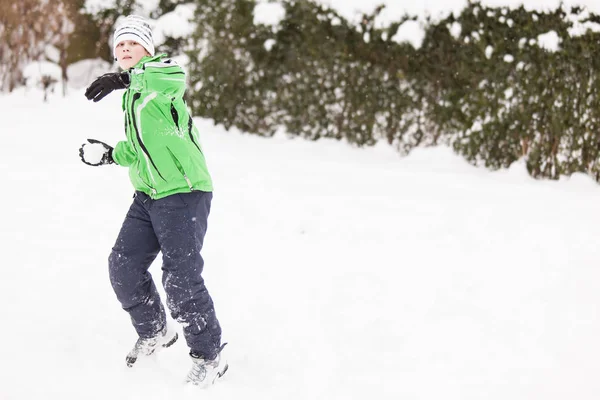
(162, 149)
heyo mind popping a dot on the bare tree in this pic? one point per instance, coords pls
(21, 25)
(61, 24)
(27, 28)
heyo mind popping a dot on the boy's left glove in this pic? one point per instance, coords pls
(105, 84)
(96, 153)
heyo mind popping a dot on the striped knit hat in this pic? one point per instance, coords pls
(136, 28)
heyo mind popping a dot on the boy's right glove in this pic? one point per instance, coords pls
(105, 84)
(96, 153)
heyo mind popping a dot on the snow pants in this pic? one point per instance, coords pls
(174, 225)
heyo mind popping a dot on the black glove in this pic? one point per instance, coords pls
(105, 84)
(104, 158)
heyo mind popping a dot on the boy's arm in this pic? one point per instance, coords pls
(165, 77)
(123, 155)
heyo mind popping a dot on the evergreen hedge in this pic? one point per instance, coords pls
(490, 91)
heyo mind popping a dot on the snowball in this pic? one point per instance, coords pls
(93, 152)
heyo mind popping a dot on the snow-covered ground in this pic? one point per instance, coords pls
(337, 273)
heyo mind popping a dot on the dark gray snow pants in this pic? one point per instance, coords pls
(174, 225)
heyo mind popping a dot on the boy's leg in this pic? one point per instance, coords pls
(180, 223)
(135, 249)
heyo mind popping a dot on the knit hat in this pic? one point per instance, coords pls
(136, 28)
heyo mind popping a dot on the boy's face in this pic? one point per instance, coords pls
(129, 53)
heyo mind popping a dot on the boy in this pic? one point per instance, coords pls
(170, 207)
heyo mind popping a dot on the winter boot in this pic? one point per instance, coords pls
(146, 346)
(205, 372)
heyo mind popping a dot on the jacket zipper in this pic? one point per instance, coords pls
(129, 134)
(188, 181)
(180, 168)
(139, 139)
(152, 190)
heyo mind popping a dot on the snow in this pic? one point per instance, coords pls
(412, 32)
(549, 41)
(52, 54)
(93, 6)
(141, 7)
(337, 272)
(580, 25)
(455, 30)
(436, 9)
(145, 7)
(269, 43)
(177, 24)
(394, 10)
(267, 13)
(35, 71)
(82, 73)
